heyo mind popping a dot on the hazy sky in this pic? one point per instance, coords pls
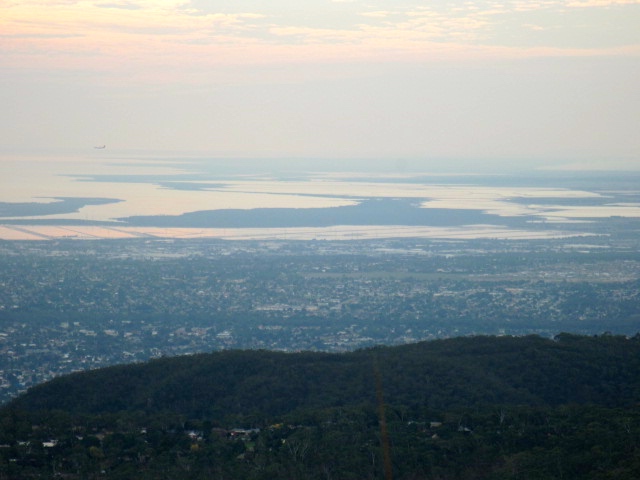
(519, 80)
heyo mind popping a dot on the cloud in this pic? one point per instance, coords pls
(62, 32)
(315, 34)
(40, 35)
(122, 5)
(535, 28)
(377, 14)
(601, 3)
(192, 36)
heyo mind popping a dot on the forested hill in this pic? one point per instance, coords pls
(442, 374)
(481, 408)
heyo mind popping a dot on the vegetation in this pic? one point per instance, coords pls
(466, 408)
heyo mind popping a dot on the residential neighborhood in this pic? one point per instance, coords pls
(71, 306)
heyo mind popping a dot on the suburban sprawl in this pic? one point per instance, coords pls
(76, 305)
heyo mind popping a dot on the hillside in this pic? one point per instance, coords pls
(477, 407)
(459, 372)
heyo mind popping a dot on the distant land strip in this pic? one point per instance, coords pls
(341, 232)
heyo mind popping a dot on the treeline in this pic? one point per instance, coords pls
(457, 372)
(468, 408)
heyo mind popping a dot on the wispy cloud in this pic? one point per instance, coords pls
(42, 36)
(377, 14)
(601, 3)
(72, 33)
(121, 5)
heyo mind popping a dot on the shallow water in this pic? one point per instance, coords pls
(97, 196)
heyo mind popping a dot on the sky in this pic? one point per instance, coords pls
(518, 81)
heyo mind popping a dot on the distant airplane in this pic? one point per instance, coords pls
(100, 147)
